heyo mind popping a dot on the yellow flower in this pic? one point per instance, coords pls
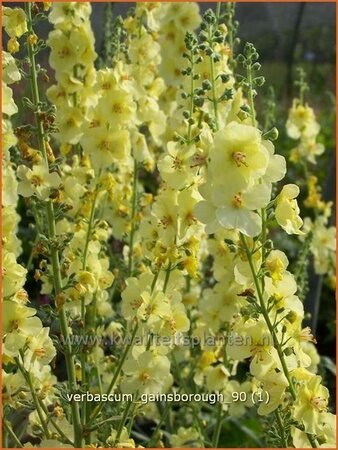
(301, 121)
(165, 209)
(40, 349)
(310, 404)
(283, 292)
(8, 106)
(69, 120)
(117, 107)
(14, 21)
(236, 204)
(309, 149)
(217, 377)
(252, 338)
(185, 437)
(13, 45)
(13, 274)
(148, 374)
(20, 319)
(287, 210)
(238, 150)
(67, 14)
(275, 384)
(313, 199)
(10, 72)
(106, 146)
(37, 181)
(276, 263)
(175, 165)
(124, 441)
(69, 49)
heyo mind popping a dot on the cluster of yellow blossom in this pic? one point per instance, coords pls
(302, 125)
(72, 57)
(26, 341)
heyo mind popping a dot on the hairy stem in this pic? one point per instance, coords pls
(55, 259)
(132, 221)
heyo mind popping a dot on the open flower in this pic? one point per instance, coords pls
(311, 403)
(287, 210)
(37, 181)
(238, 150)
(148, 374)
(301, 121)
(14, 21)
(236, 205)
(252, 339)
(13, 274)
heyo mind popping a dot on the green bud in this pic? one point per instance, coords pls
(256, 66)
(224, 77)
(271, 135)
(288, 351)
(206, 85)
(259, 81)
(240, 58)
(242, 115)
(198, 101)
(209, 17)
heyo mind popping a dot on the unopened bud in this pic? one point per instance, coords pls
(60, 300)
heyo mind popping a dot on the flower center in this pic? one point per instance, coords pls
(240, 159)
(319, 403)
(36, 180)
(237, 201)
(40, 352)
(117, 108)
(177, 163)
(166, 221)
(144, 377)
(135, 304)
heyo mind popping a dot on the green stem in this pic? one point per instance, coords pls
(32, 255)
(281, 429)
(191, 112)
(4, 435)
(218, 11)
(153, 284)
(251, 97)
(272, 330)
(133, 212)
(167, 276)
(132, 416)
(98, 425)
(163, 418)
(83, 355)
(99, 407)
(89, 230)
(55, 425)
(28, 378)
(267, 318)
(213, 89)
(218, 428)
(53, 237)
(122, 421)
(8, 428)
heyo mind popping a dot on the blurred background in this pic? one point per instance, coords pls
(285, 34)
